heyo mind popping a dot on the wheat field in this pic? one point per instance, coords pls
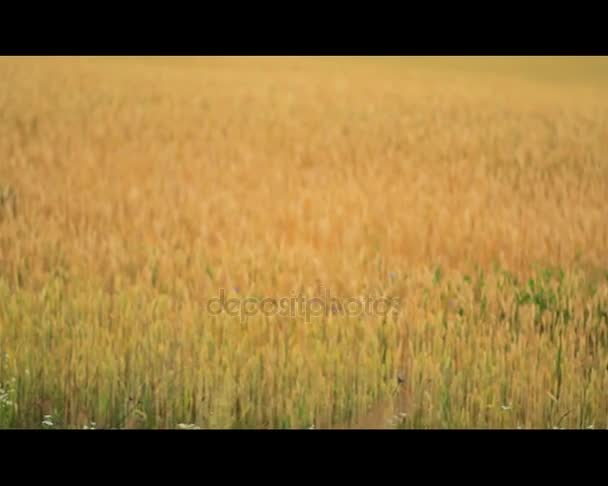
(473, 191)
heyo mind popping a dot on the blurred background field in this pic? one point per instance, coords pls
(472, 189)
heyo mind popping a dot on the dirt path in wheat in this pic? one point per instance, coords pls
(381, 414)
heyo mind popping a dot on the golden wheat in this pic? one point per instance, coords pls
(132, 190)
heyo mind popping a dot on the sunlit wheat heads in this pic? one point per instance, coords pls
(133, 190)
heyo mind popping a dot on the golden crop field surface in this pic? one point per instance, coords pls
(471, 192)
